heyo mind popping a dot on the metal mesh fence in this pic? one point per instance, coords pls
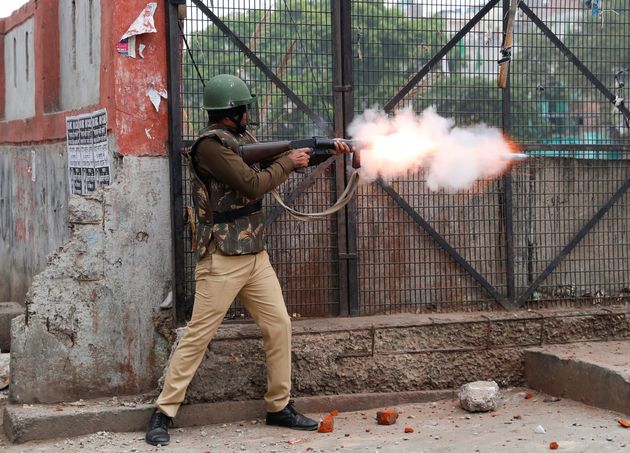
(570, 61)
(553, 102)
(295, 43)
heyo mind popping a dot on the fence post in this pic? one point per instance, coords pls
(508, 197)
(175, 160)
(343, 108)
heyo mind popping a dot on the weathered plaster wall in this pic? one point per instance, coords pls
(19, 72)
(33, 205)
(398, 352)
(88, 330)
(80, 39)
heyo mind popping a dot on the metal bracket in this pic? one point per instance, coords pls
(348, 256)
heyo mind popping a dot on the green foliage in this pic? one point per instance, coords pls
(295, 42)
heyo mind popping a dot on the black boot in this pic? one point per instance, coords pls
(289, 417)
(157, 431)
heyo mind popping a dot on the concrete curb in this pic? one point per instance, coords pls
(23, 423)
(569, 373)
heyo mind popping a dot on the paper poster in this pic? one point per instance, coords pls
(88, 152)
(143, 24)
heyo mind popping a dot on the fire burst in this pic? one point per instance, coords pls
(453, 157)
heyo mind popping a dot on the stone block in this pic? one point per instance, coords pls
(479, 396)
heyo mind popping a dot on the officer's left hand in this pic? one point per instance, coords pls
(340, 148)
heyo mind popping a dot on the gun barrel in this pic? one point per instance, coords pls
(258, 152)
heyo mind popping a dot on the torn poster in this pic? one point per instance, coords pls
(88, 152)
(156, 96)
(143, 24)
(127, 47)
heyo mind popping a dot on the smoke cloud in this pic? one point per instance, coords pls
(453, 157)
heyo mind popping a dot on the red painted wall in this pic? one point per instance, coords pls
(123, 85)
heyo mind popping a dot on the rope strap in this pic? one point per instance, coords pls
(343, 200)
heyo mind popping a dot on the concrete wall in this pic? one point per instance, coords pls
(19, 72)
(80, 39)
(33, 205)
(400, 266)
(554, 199)
(105, 260)
(88, 330)
(397, 352)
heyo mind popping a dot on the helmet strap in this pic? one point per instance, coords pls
(236, 120)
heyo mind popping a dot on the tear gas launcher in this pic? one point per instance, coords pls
(320, 146)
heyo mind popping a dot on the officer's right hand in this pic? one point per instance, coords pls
(300, 157)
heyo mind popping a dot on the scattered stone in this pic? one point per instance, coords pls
(540, 430)
(479, 396)
(551, 399)
(386, 417)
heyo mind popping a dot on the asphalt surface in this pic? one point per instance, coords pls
(519, 424)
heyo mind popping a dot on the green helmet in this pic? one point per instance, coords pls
(225, 92)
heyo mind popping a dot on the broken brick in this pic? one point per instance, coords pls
(408, 430)
(386, 417)
(327, 424)
(553, 446)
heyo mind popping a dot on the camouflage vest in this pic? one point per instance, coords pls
(240, 236)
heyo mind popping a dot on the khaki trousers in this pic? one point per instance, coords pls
(219, 280)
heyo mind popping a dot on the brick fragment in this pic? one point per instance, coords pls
(386, 417)
(327, 424)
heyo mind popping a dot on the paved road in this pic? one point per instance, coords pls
(437, 427)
